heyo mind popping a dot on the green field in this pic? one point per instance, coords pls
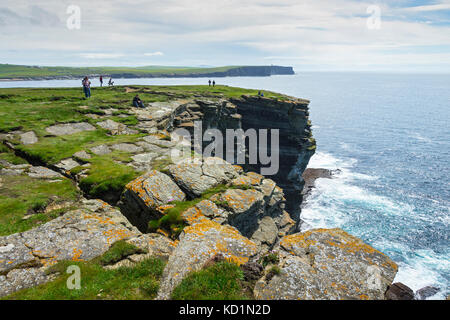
(9, 71)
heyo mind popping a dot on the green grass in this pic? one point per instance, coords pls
(221, 281)
(105, 176)
(7, 155)
(118, 251)
(22, 194)
(139, 282)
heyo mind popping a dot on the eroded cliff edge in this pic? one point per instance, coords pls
(189, 213)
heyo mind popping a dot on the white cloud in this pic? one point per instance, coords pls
(152, 54)
(327, 32)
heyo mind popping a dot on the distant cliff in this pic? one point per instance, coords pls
(16, 72)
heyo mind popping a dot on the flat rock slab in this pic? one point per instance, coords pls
(78, 235)
(82, 155)
(154, 139)
(127, 147)
(67, 164)
(100, 150)
(28, 138)
(116, 128)
(69, 128)
(198, 244)
(197, 177)
(323, 264)
(43, 173)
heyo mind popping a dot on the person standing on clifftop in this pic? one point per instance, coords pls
(101, 81)
(214, 83)
(209, 83)
(86, 87)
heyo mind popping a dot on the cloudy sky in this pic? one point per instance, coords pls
(319, 35)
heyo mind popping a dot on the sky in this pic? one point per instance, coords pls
(310, 35)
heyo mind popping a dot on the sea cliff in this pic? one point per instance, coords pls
(94, 183)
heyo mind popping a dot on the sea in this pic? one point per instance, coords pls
(389, 134)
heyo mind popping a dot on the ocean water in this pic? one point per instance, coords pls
(390, 136)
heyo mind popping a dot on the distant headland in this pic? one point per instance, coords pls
(10, 72)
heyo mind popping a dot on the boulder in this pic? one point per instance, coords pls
(323, 264)
(143, 196)
(198, 244)
(195, 177)
(78, 235)
(426, 292)
(399, 291)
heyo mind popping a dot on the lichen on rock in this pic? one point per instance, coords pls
(328, 264)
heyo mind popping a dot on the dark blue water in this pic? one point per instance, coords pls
(390, 136)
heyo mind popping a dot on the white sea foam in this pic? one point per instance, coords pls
(330, 204)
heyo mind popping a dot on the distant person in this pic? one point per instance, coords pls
(209, 83)
(86, 87)
(137, 102)
(101, 81)
(260, 94)
(110, 82)
(214, 83)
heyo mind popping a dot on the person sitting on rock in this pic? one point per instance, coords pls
(137, 102)
(110, 82)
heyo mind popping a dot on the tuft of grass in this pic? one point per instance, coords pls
(221, 281)
(106, 177)
(139, 282)
(21, 194)
(275, 270)
(269, 258)
(118, 251)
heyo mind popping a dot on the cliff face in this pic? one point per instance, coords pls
(296, 145)
(193, 213)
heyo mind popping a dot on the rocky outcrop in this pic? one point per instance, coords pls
(296, 145)
(327, 264)
(198, 244)
(78, 235)
(144, 196)
(399, 291)
(196, 177)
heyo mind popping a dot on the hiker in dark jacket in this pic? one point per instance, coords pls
(86, 87)
(137, 102)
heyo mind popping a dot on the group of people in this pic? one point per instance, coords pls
(87, 85)
(213, 83)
